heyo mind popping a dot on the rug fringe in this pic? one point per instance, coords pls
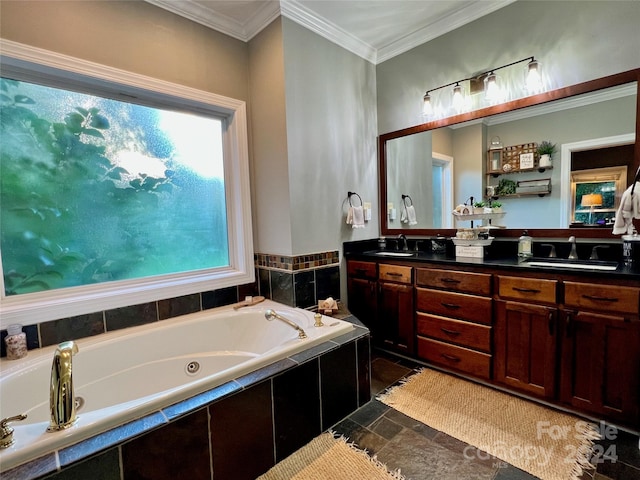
(587, 434)
(396, 474)
(384, 396)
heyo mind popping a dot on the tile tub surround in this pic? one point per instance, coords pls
(297, 281)
(262, 412)
(301, 280)
(73, 328)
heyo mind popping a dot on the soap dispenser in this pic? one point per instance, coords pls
(525, 244)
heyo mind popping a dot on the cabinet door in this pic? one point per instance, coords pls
(395, 317)
(363, 301)
(525, 347)
(600, 366)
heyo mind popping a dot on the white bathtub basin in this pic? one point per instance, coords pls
(129, 373)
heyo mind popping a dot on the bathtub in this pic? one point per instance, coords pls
(127, 374)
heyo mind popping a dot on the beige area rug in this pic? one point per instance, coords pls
(548, 444)
(327, 458)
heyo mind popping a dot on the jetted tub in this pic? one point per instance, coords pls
(123, 375)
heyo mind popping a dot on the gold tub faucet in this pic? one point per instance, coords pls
(62, 402)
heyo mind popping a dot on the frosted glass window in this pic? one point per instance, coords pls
(98, 190)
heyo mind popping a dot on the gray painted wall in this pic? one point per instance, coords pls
(331, 132)
(271, 202)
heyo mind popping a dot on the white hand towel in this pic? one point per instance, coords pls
(628, 210)
(403, 216)
(350, 216)
(358, 217)
(411, 215)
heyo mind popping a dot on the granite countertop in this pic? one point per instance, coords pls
(503, 258)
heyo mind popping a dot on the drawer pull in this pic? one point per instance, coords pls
(552, 324)
(452, 306)
(450, 332)
(449, 280)
(453, 358)
(526, 290)
(394, 274)
(361, 271)
(600, 299)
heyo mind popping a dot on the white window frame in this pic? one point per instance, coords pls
(34, 64)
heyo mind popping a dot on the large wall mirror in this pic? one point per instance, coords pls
(441, 163)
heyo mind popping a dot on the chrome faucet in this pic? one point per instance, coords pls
(402, 238)
(573, 255)
(62, 402)
(271, 314)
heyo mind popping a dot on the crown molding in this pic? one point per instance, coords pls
(222, 23)
(446, 24)
(300, 14)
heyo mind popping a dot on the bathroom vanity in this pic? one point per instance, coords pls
(566, 337)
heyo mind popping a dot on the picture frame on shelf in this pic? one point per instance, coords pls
(526, 160)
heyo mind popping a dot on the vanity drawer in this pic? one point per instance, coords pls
(458, 358)
(455, 331)
(468, 282)
(608, 298)
(359, 269)
(532, 289)
(456, 305)
(395, 273)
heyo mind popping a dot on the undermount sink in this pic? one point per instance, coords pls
(575, 264)
(394, 254)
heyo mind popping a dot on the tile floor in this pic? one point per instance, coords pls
(422, 453)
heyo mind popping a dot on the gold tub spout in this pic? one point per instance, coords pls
(61, 396)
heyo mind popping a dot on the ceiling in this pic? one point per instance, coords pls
(376, 30)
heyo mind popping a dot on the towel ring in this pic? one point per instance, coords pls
(349, 194)
(404, 200)
(635, 180)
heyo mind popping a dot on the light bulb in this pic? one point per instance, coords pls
(534, 79)
(492, 90)
(427, 108)
(458, 99)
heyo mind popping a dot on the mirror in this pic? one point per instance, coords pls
(416, 162)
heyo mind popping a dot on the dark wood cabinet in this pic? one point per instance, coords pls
(381, 297)
(453, 320)
(600, 365)
(395, 317)
(362, 288)
(565, 338)
(526, 347)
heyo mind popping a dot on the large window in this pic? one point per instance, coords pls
(110, 199)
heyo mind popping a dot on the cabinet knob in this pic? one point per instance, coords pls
(568, 322)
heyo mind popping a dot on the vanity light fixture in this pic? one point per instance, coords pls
(458, 98)
(493, 92)
(427, 108)
(492, 89)
(534, 80)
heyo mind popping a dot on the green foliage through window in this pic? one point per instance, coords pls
(95, 190)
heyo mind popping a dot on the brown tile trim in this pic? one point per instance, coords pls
(297, 262)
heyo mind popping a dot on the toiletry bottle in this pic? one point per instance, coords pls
(525, 245)
(16, 341)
